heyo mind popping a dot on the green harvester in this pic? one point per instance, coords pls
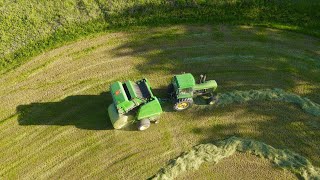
(131, 98)
(183, 88)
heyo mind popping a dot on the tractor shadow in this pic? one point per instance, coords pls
(82, 111)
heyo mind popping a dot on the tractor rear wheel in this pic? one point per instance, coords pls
(143, 124)
(182, 104)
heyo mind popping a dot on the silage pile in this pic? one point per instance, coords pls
(268, 95)
(215, 152)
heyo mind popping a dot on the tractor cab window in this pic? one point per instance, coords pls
(185, 91)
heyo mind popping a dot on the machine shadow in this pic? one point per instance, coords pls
(82, 111)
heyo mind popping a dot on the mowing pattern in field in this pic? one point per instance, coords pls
(53, 109)
(259, 169)
(201, 153)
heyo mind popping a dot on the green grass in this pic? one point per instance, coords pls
(53, 115)
(260, 169)
(53, 106)
(214, 153)
(28, 28)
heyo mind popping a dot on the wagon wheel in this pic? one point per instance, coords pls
(143, 124)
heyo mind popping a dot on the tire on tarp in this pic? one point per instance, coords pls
(118, 121)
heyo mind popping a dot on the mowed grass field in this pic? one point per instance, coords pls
(54, 121)
(239, 166)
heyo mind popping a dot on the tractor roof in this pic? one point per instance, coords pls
(185, 80)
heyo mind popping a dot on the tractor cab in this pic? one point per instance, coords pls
(183, 85)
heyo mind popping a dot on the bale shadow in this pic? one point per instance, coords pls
(82, 111)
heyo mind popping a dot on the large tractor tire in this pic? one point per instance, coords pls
(183, 104)
(143, 124)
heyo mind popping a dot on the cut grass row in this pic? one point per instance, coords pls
(29, 28)
(214, 153)
(259, 169)
(56, 103)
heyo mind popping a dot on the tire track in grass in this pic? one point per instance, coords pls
(37, 134)
(41, 145)
(58, 152)
(6, 100)
(95, 162)
(69, 155)
(192, 160)
(120, 154)
(54, 56)
(22, 134)
(49, 144)
(75, 150)
(125, 146)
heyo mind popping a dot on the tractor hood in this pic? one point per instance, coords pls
(211, 84)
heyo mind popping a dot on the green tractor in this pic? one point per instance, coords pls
(133, 97)
(183, 89)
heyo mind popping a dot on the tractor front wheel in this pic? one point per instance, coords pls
(182, 104)
(143, 124)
